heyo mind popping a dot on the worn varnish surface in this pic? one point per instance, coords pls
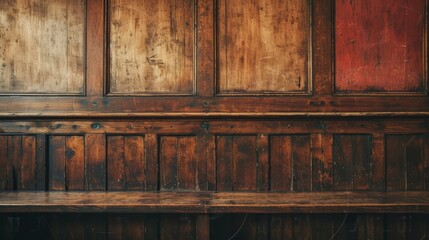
(263, 47)
(151, 47)
(214, 202)
(42, 47)
(275, 156)
(380, 46)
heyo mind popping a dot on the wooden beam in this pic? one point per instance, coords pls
(213, 202)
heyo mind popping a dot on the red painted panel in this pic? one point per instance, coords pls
(379, 45)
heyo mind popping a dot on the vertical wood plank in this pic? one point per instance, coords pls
(322, 48)
(211, 162)
(426, 160)
(321, 226)
(201, 161)
(322, 162)
(244, 163)
(28, 165)
(395, 162)
(151, 162)
(114, 225)
(343, 162)
(340, 224)
(302, 227)
(134, 163)
(168, 163)
(95, 161)
(115, 163)
(416, 228)
(57, 163)
(134, 227)
(95, 227)
(262, 222)
(396, 226)
(415, 163)
(203, 227)
(361, 162)
(126, 226)
(15, 157)
(169, 223)
(206, 48)
(4, 163)
(375, 226)
(187, 227)
(41, 161)
(301, 163)
(95, 47)
(75, 162)
(263, 163)
(281, 171)
(187, 163)
(224, 163)
(282, 226)
(378, 162)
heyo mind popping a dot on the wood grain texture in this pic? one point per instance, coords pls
(151, 47)
(322, 162)
(263, 47)
(378, 157)
(178, 163)
(19, 163)
(66, 163)
(215, 202)
(243, 106)
(75, 162)
(95, 162)
(206, 48)
(236, 163)
(42, 47)
(4, 173)
(28, 163)
(57, 163)
(183, 126)
(380, 46)
(323, 50)
(352, 161)
(405, 161)
(95, 48)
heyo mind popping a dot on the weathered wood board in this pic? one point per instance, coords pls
(380, 46)
(263, 47)
(151, 47)
(42, 47)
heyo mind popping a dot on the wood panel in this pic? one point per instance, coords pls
(95, 162)
(380, 46)
(263, 47)
(236, 163)
(18, 163)
(66, 163)
(352, 162)
(178, 163)
(151, 49)
(42, 47)
(405, 162)
(126, 163)
(290, 163)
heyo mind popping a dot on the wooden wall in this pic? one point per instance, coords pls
(214, 95)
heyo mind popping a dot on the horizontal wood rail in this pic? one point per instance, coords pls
(214, 202)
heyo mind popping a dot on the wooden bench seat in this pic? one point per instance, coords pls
(214, 202)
